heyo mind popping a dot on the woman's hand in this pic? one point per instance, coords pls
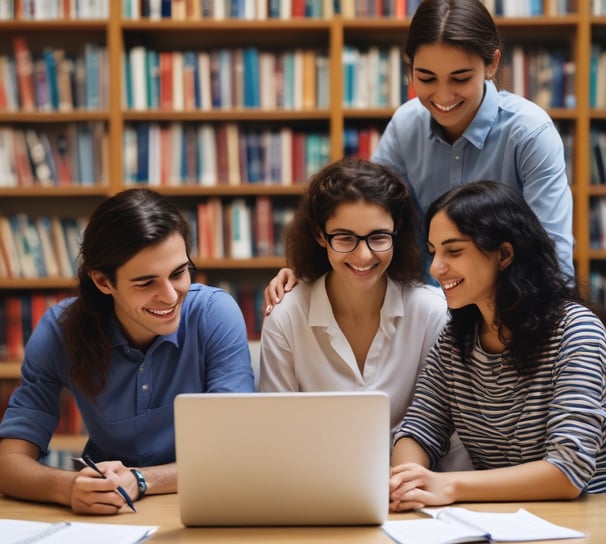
(413, 486)
(281, 283)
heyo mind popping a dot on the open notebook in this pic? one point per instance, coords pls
(283, 458)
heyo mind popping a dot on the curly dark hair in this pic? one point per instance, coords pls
(119, 228)
(352, 180)
(530, 293)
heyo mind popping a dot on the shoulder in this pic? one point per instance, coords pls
(526, 113)
(204, 297)
(579, 318)
(427, 296)
(295, 302)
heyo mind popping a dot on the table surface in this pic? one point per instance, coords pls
(587, 514)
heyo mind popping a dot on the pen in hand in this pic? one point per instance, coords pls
(87, 461)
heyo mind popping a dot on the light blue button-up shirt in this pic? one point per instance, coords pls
(510, 139)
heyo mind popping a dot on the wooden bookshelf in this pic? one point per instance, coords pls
(575, 31)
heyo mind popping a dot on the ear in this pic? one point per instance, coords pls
(319, 237)
(492, 68)
(101, 281)
(506, 254)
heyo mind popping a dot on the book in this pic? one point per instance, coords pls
(453, 525)
(66, 532)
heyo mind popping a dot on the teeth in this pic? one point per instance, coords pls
(451, 284)
(362, 268)
(160, 312)
(445, 108)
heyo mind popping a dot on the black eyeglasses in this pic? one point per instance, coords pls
(346, 242)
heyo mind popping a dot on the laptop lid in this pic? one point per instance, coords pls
(282, 458)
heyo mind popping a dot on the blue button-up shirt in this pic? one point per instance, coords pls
(132, 419)
(510, 139)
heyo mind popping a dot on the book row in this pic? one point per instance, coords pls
(41, 10)
(227, 9)
(597, 286)
(597, 223)
(221, 154)
(285, 9)
(373, 78)
(39, 247)
(545, 76)
(598, 7)
(240, 228)
(597, 141)
(70, 154)
(597, 76)
(48, 246)
(52, 80)
(225, 78)
(529, 8)
(20, 313)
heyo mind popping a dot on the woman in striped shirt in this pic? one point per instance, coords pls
(519, 371)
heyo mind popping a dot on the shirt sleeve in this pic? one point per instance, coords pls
(33, 409)
(277, 371)
(577, 415)
(546, 189)
(228, 362)
(428, 419)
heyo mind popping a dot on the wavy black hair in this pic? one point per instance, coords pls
(530, 293)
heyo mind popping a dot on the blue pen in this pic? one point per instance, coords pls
(87, 461)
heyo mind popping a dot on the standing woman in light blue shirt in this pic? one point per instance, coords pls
(460, 128)
(138, 334)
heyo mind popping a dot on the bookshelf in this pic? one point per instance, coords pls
(573, 31)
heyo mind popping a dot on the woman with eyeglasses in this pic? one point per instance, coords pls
(361, 318)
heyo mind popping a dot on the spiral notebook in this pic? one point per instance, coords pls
(282, 458)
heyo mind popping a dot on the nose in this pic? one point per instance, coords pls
(443, 94)
(167, 292)
(437, 268)
(363, 248)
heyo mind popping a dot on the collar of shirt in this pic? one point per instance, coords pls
(483, 121)
(320, 310)
(118, 338)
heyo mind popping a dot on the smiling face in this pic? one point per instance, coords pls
(466, 274)
(449, 82)
(149, 290)
(362, 269)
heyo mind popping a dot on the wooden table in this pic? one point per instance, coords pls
(587, 514)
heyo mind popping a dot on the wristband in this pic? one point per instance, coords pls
(141, 483)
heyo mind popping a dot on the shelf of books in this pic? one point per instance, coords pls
(227, 108)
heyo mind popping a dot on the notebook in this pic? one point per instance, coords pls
(282, 458)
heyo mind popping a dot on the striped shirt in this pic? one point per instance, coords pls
(557, 414)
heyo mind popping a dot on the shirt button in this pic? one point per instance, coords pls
(457, 157)
(145, 387)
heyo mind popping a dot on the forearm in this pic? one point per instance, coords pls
(160, 479)
(408, 450)
(537, 480)
(23, 476)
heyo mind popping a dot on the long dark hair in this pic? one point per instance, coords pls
(462, 23)
(530, 293)
(352, 180)
(119, 228)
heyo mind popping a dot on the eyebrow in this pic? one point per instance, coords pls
(453, 73)
(450, 241)
(153, 276)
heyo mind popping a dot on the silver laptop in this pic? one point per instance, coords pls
(282, 458)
